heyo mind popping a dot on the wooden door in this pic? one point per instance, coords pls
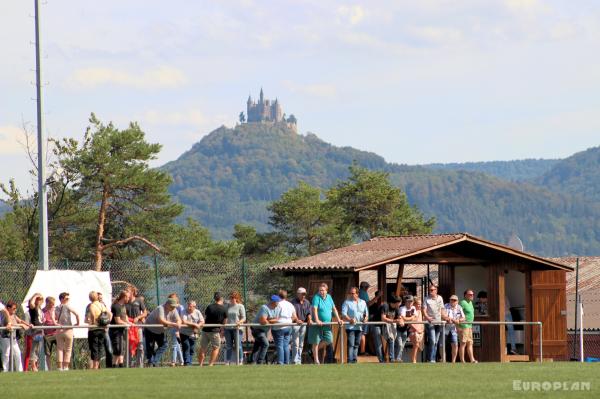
(549, 305)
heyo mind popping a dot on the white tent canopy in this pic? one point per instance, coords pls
(77, 283)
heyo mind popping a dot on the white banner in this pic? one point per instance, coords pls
(77, 283)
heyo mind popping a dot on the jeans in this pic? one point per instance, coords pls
(433, 336)
(510, 337)
(401, 338)
(188, 344)
(298, 334)
(353, 344)
(5, 349)
(176, 354)
(150, 339)
(282, 344)
(230, 346)
(376, 332)
(261, 346)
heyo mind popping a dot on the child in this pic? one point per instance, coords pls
(416, 331)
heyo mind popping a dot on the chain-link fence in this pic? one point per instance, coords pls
(156, 278)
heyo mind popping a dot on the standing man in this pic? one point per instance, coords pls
(117, 334)
(375, 329)
(136, 314)
(323, 309)
(354, 310)
(216, 313)
(465, 332)
(156, 335)
(267, 315)
(192, 320)
(510, 328)
(434, 306)
(364, 295)
(390, 313)
(303, 318)
(454, 315)
(281, 335)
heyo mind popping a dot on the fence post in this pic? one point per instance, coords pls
(541, 340)
(156, 280)
(342, 331)
(127, 347)
(237, 345)
(244, 281)
(443, 338)
(11, 355)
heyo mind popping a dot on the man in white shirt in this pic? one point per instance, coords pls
(282, 335)
(432, 312)
(454, 315)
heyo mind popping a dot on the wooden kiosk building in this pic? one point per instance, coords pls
(534, 286)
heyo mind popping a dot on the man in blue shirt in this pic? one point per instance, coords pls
(354, 310)
(267, 314)
(323, 309)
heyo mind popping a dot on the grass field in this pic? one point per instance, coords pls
(491, 380)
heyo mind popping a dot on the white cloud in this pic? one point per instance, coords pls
(322, 90)
(11, 138)
(174, 118)
(352, 15)
(525, 6)
(157, 78)
(436, 34)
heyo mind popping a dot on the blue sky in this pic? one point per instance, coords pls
(414, 81)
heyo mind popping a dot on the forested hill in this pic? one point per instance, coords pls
(517, 170)
(232, 174)
(578, 174)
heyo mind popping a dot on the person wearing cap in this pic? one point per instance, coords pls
(354, 310)
(267, 315)
(454, 315)
(432, 313)
(156, 335)
(407, 314)
(215, 313)
(390, 313)
(303, 318)
(323, 310)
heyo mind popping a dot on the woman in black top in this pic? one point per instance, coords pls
(35, 337)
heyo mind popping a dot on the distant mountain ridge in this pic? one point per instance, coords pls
(232, 174)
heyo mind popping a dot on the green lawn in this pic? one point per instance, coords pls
(482, 381)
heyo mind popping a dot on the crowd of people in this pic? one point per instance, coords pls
(287, 322)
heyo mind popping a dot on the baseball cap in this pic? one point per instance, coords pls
(409, 298)
(453, 297)
(172, 301)
(275, 298)
(301, 290)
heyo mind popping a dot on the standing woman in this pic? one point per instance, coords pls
(10, 344)
(49, 334)
(236, 314)
(97, 329)
(64, 338)
(33, 340)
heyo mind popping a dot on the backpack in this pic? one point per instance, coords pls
(104, 318)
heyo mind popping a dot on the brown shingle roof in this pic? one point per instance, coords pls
(382, 250)
(589, 288)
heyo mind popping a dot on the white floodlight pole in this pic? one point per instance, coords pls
(581, 358)
(41, 147)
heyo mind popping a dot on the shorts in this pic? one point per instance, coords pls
(49, 342)
(417, 339)
(95, 343)
(210, 340)
(365, 329)
(117, 340)
(465, 335)
(452, 335)
(318, 334)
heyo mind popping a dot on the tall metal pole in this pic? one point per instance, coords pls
(576, 307)
(41, 147)
(156, 280)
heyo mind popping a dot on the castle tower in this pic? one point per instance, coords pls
(265, 111)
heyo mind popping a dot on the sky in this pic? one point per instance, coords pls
(414, 81)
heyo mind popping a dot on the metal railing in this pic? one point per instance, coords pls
(239, 327)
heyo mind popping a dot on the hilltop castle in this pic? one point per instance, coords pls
(265, 111)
